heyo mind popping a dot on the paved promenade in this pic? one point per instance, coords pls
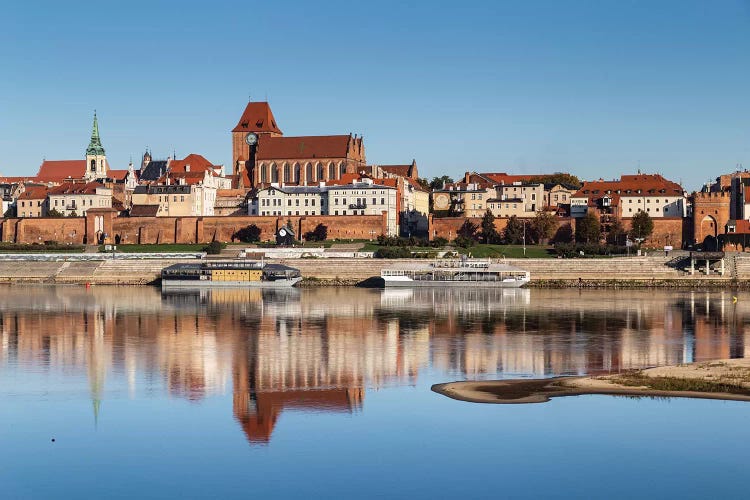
(632, 271)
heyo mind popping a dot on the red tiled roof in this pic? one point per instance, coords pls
(347, 178)
(303, 147)
(117, 175)
(144, 210)
(400, 170)
(746, 190)
(16, 180)
(34, 193)
(648, 184)
(75, 188)
(416, 185)
(196, 162)
(59, 170)
(257, 117)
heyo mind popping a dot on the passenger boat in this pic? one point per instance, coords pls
(461, 273)
(227, 274)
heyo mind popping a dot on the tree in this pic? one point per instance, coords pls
(423, 182)
(467, 234)
(544, 226)
(514, 231)
(557, 178)
(616, 233)
(11, 212)
(588, 228)
(564, 234)
(320, 233)
(438, 182)
(249, 234)
(73, 214)
(641, 225)
(489, 232)
(55, 213)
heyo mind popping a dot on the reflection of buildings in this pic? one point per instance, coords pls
(321, 349)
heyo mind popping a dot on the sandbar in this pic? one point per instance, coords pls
(727, 379)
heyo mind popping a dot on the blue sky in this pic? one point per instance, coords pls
(591, 87)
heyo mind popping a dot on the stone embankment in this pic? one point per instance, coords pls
(620, 272)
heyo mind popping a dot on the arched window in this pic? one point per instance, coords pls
(308, 174)
(287, 172)
(342, 169)
(274, 173)
(320, 172)
(331, 171)
(93, 165)
(263, 173)
(296, 173)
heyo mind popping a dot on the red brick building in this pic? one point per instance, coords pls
(261, 155)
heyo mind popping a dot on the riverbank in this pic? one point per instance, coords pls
(723, 379)
(633, 272)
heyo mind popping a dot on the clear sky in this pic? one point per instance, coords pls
(591, 87)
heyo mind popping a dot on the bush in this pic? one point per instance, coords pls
(439, 242)
(393, 253)
(249, 234)
(214, 248)
(320, 233)
(571, 250)
(464, 242)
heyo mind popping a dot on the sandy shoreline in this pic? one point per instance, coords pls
(722, 379)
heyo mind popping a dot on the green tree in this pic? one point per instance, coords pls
(515, 231)
(437, 182)
(249, 234)
(557, 178)
(489, 232)
(616, 233)
(55, 213)
(588, 228)
(423, 182)
(73, 214)
(320, 233)
(642, 225)
(544, 225)
(467, 234)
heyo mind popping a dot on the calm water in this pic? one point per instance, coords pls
(326, 393)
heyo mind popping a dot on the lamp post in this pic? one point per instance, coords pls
(524, 238)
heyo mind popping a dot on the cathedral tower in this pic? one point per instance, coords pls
(96, 159)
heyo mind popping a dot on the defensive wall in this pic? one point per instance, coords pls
(667, 231)
(150, 230)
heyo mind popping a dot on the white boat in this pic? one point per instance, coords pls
(459, 273)
(229, 274)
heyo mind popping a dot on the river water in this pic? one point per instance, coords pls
(326, 393)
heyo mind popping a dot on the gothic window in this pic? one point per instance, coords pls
(331, 171)
(296, 173)
(308, 174)
(263, 174)
(342, 169)
(320, 172)
(274, 173)
(286, 172)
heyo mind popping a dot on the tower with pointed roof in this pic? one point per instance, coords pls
(96, 159)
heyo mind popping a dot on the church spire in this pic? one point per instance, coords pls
(95, 146)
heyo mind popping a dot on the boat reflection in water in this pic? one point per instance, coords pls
(323, 349)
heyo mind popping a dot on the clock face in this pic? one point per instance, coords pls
(282, 232)
(442, 202)
(251, 139)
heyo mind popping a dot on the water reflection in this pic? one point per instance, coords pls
(322, 349)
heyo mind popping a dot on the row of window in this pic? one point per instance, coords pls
(293, 174)
(174, 199)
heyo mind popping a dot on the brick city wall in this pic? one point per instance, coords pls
(151, 230)
(667, 231)
(447, 227)
(38, 230)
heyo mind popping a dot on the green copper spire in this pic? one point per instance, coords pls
(95, 146)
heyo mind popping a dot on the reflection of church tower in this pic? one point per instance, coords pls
(96, 160)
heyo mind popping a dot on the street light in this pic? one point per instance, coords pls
(524, 237)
